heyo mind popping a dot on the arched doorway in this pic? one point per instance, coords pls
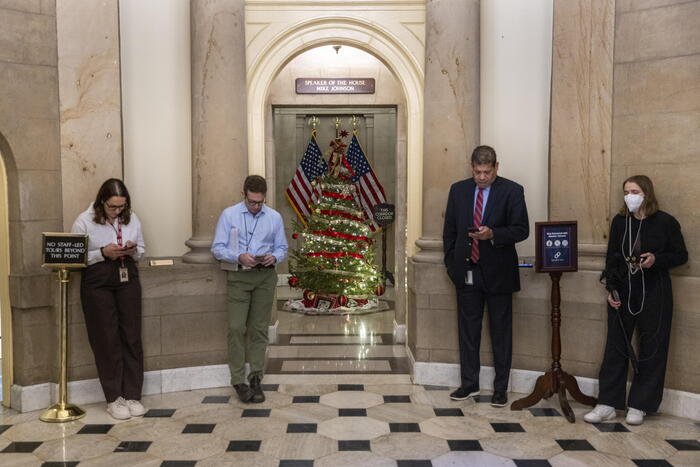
(396, 37)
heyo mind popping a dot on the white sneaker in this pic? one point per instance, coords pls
(600, 413)
(634, 416)
(136, 409)
(118, 409)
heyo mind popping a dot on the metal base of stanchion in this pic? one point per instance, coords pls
(59, 413)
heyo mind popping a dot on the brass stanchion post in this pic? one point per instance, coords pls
(63, 411)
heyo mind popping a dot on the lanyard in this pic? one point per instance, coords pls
(255, 226)
(118, 231)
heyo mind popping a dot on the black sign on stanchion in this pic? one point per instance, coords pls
(556, 252)
(556, 247)
(384, 215)
(63, 252)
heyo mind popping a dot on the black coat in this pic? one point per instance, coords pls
(505, 214)
(661, 235)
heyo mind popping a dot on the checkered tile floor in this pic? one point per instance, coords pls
(384, 420)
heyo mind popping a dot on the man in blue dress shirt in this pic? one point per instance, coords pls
(251, 236)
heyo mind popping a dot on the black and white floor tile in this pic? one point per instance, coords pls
(332, 414)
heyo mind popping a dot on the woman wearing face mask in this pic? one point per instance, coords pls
(110, 293)
(644, 243)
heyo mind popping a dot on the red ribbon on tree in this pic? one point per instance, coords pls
(331, 212)
(332, 233)
(326, 254)
(337, 195)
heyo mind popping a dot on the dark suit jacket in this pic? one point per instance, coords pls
(505, 214)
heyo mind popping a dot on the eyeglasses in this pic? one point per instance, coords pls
(111, 206)
(254, 203)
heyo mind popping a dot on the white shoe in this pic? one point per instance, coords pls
(136, 409)
(118, 409)
(634, 416)
(600, 413)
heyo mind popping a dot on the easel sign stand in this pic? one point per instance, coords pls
(384, 216)
(556, 252)
(63, 252)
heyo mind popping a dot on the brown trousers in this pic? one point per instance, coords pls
(112, 312)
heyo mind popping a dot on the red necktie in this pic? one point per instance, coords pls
(478, 209)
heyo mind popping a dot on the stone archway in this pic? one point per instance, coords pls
(6, 162)
(393, 32)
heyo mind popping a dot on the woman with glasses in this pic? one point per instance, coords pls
(110, 293)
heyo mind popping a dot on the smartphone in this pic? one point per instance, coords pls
(615, 295)
(472, 229)
(259, 258)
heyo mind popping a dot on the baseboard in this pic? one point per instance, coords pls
(272, 333)
(399, 333)
(678, 403)
(40, 396)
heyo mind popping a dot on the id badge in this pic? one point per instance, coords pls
(469, 278)
(123, 275)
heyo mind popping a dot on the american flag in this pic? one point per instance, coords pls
(368, 186)
(300, 193)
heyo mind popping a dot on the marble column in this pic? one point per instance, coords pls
(451, 111)
(451, 132)
(219, 141)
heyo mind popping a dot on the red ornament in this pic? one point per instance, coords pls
(342, 300)
(379, 290)
(309, 295)
(295, 235)
(293, 281)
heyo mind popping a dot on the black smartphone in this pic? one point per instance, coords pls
(615, 295)
(472, 229)
(259, 258)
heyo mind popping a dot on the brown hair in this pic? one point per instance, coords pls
(483, 155)
(112, 187)
(254, 184)
(650, 205)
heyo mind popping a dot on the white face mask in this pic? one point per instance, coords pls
(633, 201)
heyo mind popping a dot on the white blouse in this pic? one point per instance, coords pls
(100, 235)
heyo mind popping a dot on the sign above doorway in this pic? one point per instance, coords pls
(335, 85)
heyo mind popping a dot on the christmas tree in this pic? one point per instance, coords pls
(336, 258)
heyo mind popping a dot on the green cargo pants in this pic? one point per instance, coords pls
(250, 297)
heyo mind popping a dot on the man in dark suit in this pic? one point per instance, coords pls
(485, 217)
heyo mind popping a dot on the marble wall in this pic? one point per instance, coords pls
(601, 131)
(29, 143)
(581, 128)
(656, 122)
(90, 100)
(184, 320)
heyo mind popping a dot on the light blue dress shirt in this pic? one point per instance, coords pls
(258, 235)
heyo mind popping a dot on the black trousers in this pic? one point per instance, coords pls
(471, 301)
(653, 326)
(112, 312)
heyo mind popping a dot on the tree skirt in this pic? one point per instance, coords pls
(352, 307)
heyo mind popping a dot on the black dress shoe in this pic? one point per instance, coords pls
(258, 395)
(245, 393)
(499, 399)
(463, 393)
